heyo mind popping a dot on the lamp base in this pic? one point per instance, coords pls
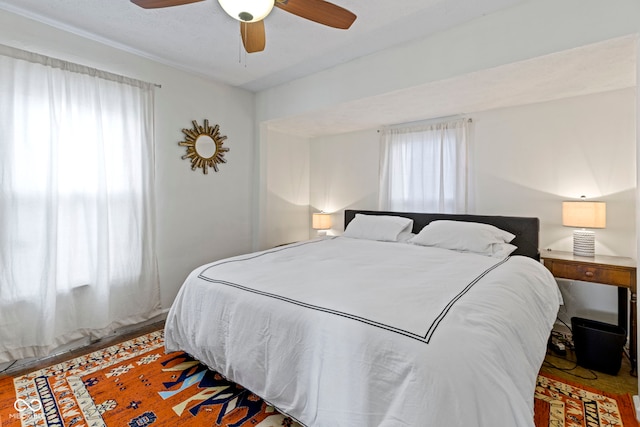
(584, 243)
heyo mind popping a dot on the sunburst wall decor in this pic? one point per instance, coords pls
(204, 146)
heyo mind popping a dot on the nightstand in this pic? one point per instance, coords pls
(606, 270)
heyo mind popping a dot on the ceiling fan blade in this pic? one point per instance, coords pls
(253, 36)
(154, 4)
(319, 11)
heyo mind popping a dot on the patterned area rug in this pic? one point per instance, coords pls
(560, 404)
(132, 384)
(135, 384)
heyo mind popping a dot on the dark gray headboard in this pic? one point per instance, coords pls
(525, 229)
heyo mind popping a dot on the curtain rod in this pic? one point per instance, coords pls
(428, 121)
(49, 61)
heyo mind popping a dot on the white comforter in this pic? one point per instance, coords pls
(347, 332)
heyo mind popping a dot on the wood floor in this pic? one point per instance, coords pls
(81, 351)
(565, 367)
(619, 384)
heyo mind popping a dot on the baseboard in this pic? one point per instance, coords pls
(636, 404)
(9, 367)
(132, 328)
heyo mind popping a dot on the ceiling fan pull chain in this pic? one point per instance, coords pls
(241, 49)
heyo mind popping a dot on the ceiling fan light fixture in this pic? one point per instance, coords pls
(247, 10)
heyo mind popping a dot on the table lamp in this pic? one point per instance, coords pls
(584, 215)
(321, 221)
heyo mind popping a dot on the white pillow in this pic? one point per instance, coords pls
(377, 227)
(405, 236)
(462, 236)
(501, 250)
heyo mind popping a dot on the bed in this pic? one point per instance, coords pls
(355, 331)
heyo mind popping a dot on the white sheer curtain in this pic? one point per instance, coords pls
(77, 251)
(425, 167)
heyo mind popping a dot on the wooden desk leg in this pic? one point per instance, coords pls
(631, 326)
(623, 304)
(633, 342)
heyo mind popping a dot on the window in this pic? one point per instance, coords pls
(424, 168)
(76, 201)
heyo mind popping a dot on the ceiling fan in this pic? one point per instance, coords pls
(251, 13)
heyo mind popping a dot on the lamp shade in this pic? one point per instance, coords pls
(584, 214)
(247, 10)
(321, 221)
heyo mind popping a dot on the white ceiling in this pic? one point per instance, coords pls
(599, 67)
(200, 37)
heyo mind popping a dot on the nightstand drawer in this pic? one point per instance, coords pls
(597, 274)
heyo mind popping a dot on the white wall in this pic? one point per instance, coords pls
(527, 160)
(286, 190)
(342, 178)
(199, 218)
(531, 158)
(344, 174)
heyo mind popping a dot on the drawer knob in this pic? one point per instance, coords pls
(589, 273)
